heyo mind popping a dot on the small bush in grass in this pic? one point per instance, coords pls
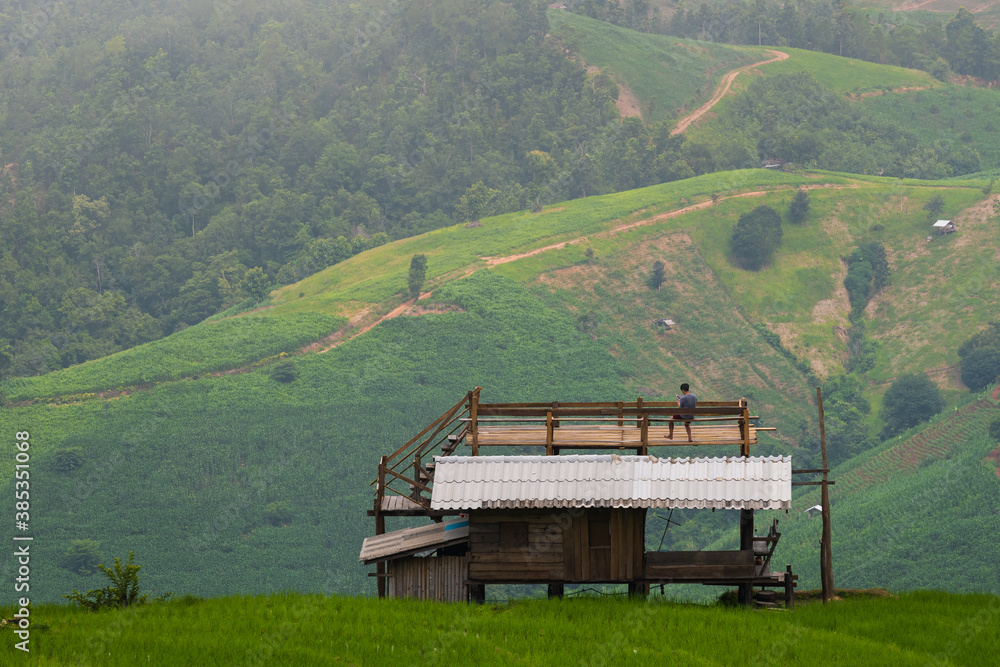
(278, 513)
(799, 208)
(122, 591)
(68, 459)
(82, 557)
(284, 372)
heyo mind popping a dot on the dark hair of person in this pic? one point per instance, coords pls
(685, 387)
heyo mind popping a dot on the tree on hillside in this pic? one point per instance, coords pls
(911, 399)
(755, 237)
(934, 206)
(256, 284)
(418, 272)
(656, 278)
(799, 208)
(846, 410)
(874, 254)
(980, 357)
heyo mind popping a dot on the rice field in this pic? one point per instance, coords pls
(912, 629)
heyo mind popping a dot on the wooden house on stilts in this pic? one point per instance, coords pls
(546, 517)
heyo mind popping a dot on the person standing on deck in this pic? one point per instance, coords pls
(688, 400)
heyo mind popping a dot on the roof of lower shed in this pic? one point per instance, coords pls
(409, 541)
(590, 480)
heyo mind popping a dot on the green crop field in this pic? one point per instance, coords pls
(213, 345)
(668, 75)
(912, 629)
(925, 498)
(940, 11)
(954, 114)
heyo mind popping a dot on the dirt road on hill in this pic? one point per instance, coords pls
(338, 337)
(721, 91)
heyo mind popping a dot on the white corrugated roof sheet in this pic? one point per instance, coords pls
(942, 223)
(594, 480)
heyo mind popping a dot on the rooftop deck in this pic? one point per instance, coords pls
(405, 477)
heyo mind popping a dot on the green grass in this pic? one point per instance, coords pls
(913, 629)
(713, 347)
(954, 114)
(668, 75)
(847, 75)
(380, 275)
(211, 346)
(918, 330)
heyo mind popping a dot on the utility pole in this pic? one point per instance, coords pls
(826, 545)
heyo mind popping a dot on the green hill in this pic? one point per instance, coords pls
(912, 629)
(223, 478)
(667, 75)
(684, 73)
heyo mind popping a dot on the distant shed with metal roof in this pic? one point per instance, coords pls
(589, 480)
(944, 226)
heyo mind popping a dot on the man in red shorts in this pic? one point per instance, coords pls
(687, 400)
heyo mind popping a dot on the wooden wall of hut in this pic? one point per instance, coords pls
(439, 578)
(572, 545)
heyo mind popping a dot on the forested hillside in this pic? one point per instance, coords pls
(163, 164)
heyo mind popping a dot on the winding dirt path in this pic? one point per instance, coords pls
(720, 92)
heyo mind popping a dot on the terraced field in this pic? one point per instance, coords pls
(934, 443)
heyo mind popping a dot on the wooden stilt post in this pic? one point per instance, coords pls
(380, 524)
(474, 421)
(826, 544)
(789, 588)
(746, 542)
(556, 590)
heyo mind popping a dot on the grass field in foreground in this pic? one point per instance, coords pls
(914, 629)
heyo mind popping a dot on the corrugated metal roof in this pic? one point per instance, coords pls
(410, 541)
(942, 223)
(592, 480)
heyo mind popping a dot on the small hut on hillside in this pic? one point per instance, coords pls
(944, 227)
(569, 519)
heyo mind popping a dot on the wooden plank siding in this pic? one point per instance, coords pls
(440, 578)
(515, 546)
(694, 566)
(596, 545)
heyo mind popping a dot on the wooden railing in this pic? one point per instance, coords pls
(606, 425)
(408, 473)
